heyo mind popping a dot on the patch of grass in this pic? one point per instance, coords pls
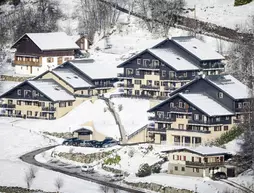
(242, 2)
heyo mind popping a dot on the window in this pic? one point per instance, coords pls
(136, 92)
(172, 105)
(180, 105)
(62, 104)
(240, 105)
(245, 104)
(171, 74)
(137, 72)
(168, 115)
(217, 119)
(157, 83)
(193, 73)
(146, 62)
(217, 128)
(180, 116)
(160, 114)
(196, 117)
(225, 128)
(29, 103)
(138, 61)
(18, 102)
(204, 118)
(129, 71)
(220, 95)
(163, 73)
(185, 74)
(184, 158)
(38, 69)
(50, 60)
(181, 126)
(197, 170)
(183, 169)
(176, 168)
(26, 67)
(155, 63)
(137, 82)
(70, 103)
(19, 92)
(29, 113)
(227, 118)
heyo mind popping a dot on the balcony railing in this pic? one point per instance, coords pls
(121, 75)
(162, 130)
(29, 63)
(49, 109)
(7, 106)
(169, 88)
(128, 85)
(150, 87)
(158, 119)
(212, 164)
(194, 131)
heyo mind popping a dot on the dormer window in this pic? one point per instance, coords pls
(19, 92)
(172, 105)
(217, 119)
(146, 62)
(240, 105)
(180, 105)
(220, 95)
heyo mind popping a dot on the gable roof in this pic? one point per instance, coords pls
(51, 41)
(96, 70)
(197, 48)
(131, 58)
(173, 59)
(224, 83)
(52, 90)
(202, 150)
(200, 101)
(72, 78)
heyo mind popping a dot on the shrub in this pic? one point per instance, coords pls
(228, 136)
(112, 160)
(144, 170)
(156, 168)
(242, 2)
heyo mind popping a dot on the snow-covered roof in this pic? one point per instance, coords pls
(198, 48)
(97, 70)
(173, 59)
(72, 78)
(52, 90)
(202, 150)
(206, 104)
(52, 41)
(75, 38)
(230, 85)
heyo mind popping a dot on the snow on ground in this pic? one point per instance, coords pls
(16, 141)
(221, 12)
(133, 114)
(234, 146)
(87, 111)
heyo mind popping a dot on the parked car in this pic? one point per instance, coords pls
(87, 168)
(219, 176)
(110, 144)
(88, 143)
(117, 177)
(72, 141)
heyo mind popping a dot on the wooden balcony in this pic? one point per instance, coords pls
(8, 106)
(150, 87)
(193, 131)
(129, 85)
(210, 164)
(48, 109)
(26, 63)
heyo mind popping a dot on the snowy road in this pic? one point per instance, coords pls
(30, 158)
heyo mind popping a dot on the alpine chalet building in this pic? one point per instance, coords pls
(167, 66)
(38, 52)
(200, 111)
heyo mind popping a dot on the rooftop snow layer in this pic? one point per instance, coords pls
(206, 104)
(72, 78)
(52, 90)
(53, 41)
(198, 48)
(98, 70)
(173, 59)
(230, 85)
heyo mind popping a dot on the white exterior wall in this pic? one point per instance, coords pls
(37, 70)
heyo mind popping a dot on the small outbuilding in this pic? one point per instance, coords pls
(84, 133)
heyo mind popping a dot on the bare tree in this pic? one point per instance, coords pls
(30, 176)
(33, 171)
(104, 188)
(115, 190)
(59, 183)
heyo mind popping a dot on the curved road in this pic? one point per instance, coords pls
(30, 158)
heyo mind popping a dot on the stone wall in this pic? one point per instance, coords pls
(157, 187)
(115, 171)
(85, 158)
(12, 78)
(18, 190)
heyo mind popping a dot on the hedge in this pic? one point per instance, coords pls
(242, 2)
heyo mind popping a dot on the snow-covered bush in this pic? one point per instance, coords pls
(156, 168)
(144, 170)
(131, 152)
